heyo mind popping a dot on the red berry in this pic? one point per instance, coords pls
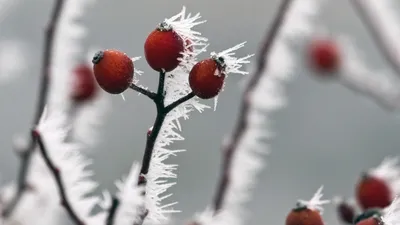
(373, 192)
(304, 216)
(324, 55)
(346, 212)
(162, 48)
(206, 78)
(84, 84)
(113, 70)
(369, 221)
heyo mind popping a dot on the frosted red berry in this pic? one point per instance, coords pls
(113, 70)
(163, 48)
(324, 55)
(373, 192)
(304, 216)
(346, 212)
(206, 78)
(84, 86)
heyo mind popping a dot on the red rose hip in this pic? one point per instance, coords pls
(163, 48)
(324, 55)
(304, 216)
(373, 192)
(113, 70)
(84, 86)
(206, 78)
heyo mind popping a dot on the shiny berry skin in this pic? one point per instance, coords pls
(162, 49)
(206, 78)
(373, 192)
(369, 221)
(324, 55)
(372, 212)
(346, 212)
(113, 71)
(84, 86)
(304, 216)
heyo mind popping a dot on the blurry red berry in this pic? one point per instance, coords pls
(324, 55)
(162, 48)
(206, 78)
(84, 84)
(113, 70)
(346, 212)
(369, 221)
(304, 216)
(373, 192)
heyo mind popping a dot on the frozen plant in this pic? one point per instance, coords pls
(53, 177)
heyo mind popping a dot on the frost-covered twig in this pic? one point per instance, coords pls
(43, 90)
(241, 124)
(143, 91)
(57, 176)
(380, 30)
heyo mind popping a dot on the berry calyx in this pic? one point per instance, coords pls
(189, 46)
(346, 212)
(324, 56)
(207, 77)
(372, 212)
(301, 215)
(113, 70)
(374, 220)
(84, 84)
(373, 192)
(163, 48)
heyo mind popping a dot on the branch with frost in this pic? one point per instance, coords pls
(382, 22)
(263, 95)
(57, 176)
(43, 89)
(356, 76)
(241, 127)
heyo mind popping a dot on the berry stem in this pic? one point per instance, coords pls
(112, 211)
(143, 91)
(378, 34)
(242, 121)
(57, 176)
(41, 102)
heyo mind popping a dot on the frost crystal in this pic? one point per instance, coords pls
(391, 215)
(315, 203)
(130, 197)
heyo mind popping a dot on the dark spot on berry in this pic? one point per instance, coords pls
(97, 57)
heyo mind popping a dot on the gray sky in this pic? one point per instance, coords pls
(326, 135)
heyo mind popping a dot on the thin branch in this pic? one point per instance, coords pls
(143, 91)
(179, 101)
(242, 121)
(112, 211)
(57, 176)
(377, 34)
(41, 102)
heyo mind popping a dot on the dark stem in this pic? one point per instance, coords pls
(377, 35)
(162, 112)
(41, 102)
(112, 211)
(179, 101)
(242, 122)
(143, 91)
(57, 176)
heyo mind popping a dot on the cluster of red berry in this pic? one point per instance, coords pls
(114, 70)
(373, 194)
